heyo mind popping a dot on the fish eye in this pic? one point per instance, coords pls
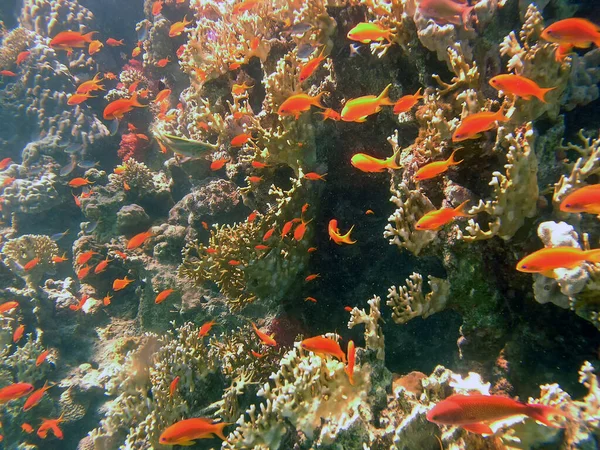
(568, 205)
(524, 266)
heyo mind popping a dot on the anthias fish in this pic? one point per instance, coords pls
(456, 12)
(351, 352)
(520, 86)
(473, 125)
(475, 412)
(436, 219)
(36, 397)
(336, 236)
(185, 432)
(324, 346)
(299, 103)
(436, 168)
(575, 32)
(583, 200)
(14, 391)
(68, 40)
(544, 261)
(163, 296)
(368, 163)
(264, 337)
(406, 103)
(118, 108)
(367, 32)
(358, 109)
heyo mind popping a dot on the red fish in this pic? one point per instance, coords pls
(312, 276)
(7, 73)
(101, 267)
(323, 346)
(95, 47)
(544, 261)
(255, 179)
(298, 103)
(79, 182)
(358, 109)
(307, 69)
(268, 234)
(120, 284)
(80, 304)
(261, 247)
(163, 295)
(580, 33)
(240, 139)
(178, 27)
(31, 264)
(300, 230)
(59, 259)
(114, 43)
(21, 57)
(36, 397)
(77, 99)
(41, 357)
(286, 228)
(310, 299)
(157, 7)
(84, 257)
(18, 334)
(68, 40)
(264, 337)
(436, 219)
(50, 425)
(520, 87)
(118, 108)
(27, 428)
(8, 306)
(163, 62)
(475, 412)
(585, 199)
(106, 299)
(435, 168)
(252, 216)
(14, 391)
(446, 11)
(404, 104)
(218, 164)
(185, 432)
(234, 262)
(138, 240)
(5, 163)
(367, 32)
(162, 95)
(336, 236)
(473, 125)
(205, 328)
(370, 164)
(331, 114)
(173, 385)
(244, 6)
(313, 176)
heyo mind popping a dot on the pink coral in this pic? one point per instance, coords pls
(132, 146)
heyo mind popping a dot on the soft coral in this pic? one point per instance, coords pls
(132, 146)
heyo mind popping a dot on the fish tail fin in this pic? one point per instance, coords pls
(135, 102)
(460, 210)
(452, 161)
(419, 94)
(390, 163)
(89, 36)
(383, 98)
(541, 95)
(219, 430)
(541, 413)
(593, 255)
(500, 117)
(317, 100)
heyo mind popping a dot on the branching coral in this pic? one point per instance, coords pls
(409, 301)
(17, 253)
(373, 334)
(515, 194)
(132, 147)
(13, 43)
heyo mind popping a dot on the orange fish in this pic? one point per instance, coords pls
(436, 219)
(106, 300)
(204, 225)
(474, 412)
(585, 199)
(435, 168)
(369, 211)
(18, 334)
(31, 264)
(268, 234)
(310, 299)
(240, 139)
(358, 109)
(120, 254)
(77, 201)
(136, 52)
(120, 284)
(307, 69)
(77, 99)
(298, 103)
(351, 361)
(330, 114)
(41, 358)
(5, 163)
(252, 216)
(186, 431)
(83, 272)
(256, 354)
(50, 425)
(261, 247)
(59, 259)
(126, 186)
(580, 33)
(367, 32)
(133, 86)
(323, 346)
(91, 85)
(520, 87)
(239, 89)
(218, 164)
(371, 164)
(312, 276)
(68, 40)
(162, 95)
(473, 125)
(110, 76)
(234, 66)
(336, 236)
(244, 6)
(300, 230)
(286, 228)
(255, 179)
(80, 304)
(404, 104)
(14, 391)
(118, 108)
(163, 62)
(178, 27)
(348, 308)
(446, 11)
(211, 251)
(95, 47)
(8, 306)
(234, 262)
(173, 385)
(544, 261)
(114, 43)
(313, 176)
(36, 397)
(157, 7)
(264, 337)
(138, 240)
(84, 257)
(21, 57)
(8, 181)
(305, 207)
(180, 50)
(7, 73)
(101, 267)
(163, 295)
(78, 182)
(205, 328)
(27, 428)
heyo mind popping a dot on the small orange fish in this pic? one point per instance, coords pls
(351, 361)
(114, 43)
(18, 334)
(78, 182)
(312, 276)
(162, 95)
(7, 73)
(120, 284)
(90, 85)
(178, 27)
(83, 272)
(473, 125)
(367, 32)
(110, 76)
(261, 247)
(36, 397)
(120, 254)
(5, 163)
(239, 89)
(138, 240)
(8, 306)
(185, 432)
(300, 230)
(370, 164)
(31, 264)
(84, 257)
(68, 40)
(406, 103)
(446, 11)
(308, 69)
(268, 234)
(305, 207)
(163, 295)
(14, 391)
(94, 47)
(255, 179)
(126, 186)
(234, 66)
(180, 50)
(313, 176)
(358, 109)
(101, 267)
(77, 200)
(436, 219)
(286, 228)
(163, 62)
(50, 425)
(520, 87)
(211, 251)
(244, 6)
(252, 216)
(80, 304)
(544, 261)
(21, 57)
(310, 299)
(435, 168)
(157, 7)
(348, 308)
(580, 33)
(240, 139)
(312, 249)
(205, 328)
(323, 346)
(218, 164)
(256, 354)
(106, 300)
(77, 99)
(173, 385)
(136, 51)
(369, 211)
(118, 108)
(204, 225)
(133, 86)
(336, 236)
(41, 358)
(59, 259)
(234, 262)
(298, 103)
(583, 200)
(264, 337)
(27, 428)
(330, 114)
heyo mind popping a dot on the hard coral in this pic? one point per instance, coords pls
(132, 147)
(16, 253)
